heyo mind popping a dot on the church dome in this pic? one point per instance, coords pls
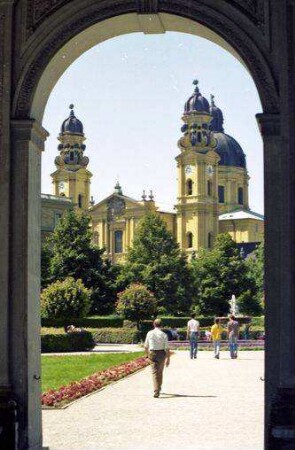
(217, 121)
(229, 150)
(196, 102)
(72, 125)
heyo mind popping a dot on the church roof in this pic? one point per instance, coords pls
(72, 125)
(230, 151)
(216, 113)
(196, 102)
(240, 215)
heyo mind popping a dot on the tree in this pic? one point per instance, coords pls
(219, 274)
(136, 303)
(72, 254)
(156, 261)
(64, 299)
(46, 255)
(255, 265)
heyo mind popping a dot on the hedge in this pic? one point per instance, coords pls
(258, 321)
(116, 335)
(118, 322)
(66, 342)
(86, 322)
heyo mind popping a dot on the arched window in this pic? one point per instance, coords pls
(71, 156)
(221, 194)
(189, 187)
(189, 240)
(80, 198)
(119, 241)
(210, 239)
(199, 136)
(240, 196)
(209, 187)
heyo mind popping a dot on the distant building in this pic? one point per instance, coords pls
(212, 187)
(52, 209)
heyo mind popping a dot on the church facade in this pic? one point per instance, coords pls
(213, 184)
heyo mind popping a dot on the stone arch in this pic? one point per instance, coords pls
(47, 55)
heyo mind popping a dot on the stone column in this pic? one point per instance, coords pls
(8, 428)
(279, 284)
(27, 142)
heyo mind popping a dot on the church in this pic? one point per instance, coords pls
(212, 182)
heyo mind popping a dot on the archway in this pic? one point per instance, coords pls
(45, 35)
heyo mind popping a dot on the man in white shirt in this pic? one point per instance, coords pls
(156, 348)
(192, 334)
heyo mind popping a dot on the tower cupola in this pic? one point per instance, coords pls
(72, 125)
(196, 102)
(196, 130)
(118, 189)
(217, 117)
(71, 178)
(71, 145)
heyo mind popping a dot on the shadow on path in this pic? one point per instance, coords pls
(183, 395)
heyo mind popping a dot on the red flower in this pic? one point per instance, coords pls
(92, 383)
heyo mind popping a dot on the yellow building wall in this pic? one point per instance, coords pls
(243, 230)
(104, 230)
(233, 178)
(75, 183)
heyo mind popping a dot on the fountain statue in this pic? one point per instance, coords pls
(233, 306)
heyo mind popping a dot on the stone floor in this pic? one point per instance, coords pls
(206, 404)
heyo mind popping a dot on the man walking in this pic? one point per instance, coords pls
(233, 334)
(156, 348)
(192, 334)
(216, 331)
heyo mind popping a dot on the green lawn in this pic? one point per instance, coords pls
(58, 371)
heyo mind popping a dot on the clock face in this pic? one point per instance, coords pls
(61, 185)
(188, 169)
(209, 170)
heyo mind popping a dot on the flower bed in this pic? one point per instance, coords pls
(73, 391)
(208, 345)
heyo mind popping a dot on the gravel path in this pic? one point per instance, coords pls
(206, 404)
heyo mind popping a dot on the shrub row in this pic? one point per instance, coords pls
(118, 322)
(63, 342)
(258, 321)
(116, 336)
(87, 322)
(55, 340)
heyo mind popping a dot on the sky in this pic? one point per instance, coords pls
(129, 93)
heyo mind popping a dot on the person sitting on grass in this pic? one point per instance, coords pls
(174, 334)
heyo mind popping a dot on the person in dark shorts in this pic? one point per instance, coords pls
(233, 334)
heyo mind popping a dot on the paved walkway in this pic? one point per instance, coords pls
(206, 404)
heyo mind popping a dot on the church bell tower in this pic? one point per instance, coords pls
(71, 178)
(197, 167)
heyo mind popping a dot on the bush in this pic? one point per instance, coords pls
(67, 298)
(116, 336)
(258, 321)
(136, 303)
(85, 322)
(63, 342)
